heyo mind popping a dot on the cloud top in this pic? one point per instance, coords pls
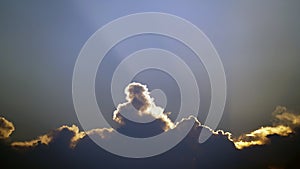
(140, 107)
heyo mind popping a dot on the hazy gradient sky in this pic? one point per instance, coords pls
(258, 43)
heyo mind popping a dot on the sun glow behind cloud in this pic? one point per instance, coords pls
(138, 95)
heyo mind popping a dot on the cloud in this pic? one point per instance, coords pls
(284, 124)
(140, 107)
(73, 131)
(6, 128)
(51, 136)
(68, 147)
(68, 143)
(284, 117)
(103, 133)
(260, 136)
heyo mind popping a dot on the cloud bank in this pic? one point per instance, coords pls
(141, 107)
(71, 147)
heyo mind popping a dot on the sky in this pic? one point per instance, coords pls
(258, 44)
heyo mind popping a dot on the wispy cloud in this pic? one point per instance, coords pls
(284, 124)
(284, 117)
(260, 136)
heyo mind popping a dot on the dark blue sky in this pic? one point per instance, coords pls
(258, 43)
